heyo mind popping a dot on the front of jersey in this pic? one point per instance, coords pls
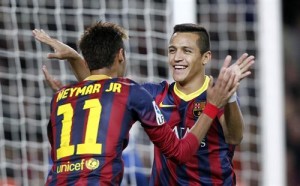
(212, 163)
(89, 128)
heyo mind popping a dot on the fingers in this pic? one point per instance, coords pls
(230, 82)
(48, 77)
(43, 37)
(40, 33)
(247, 63)
(225, 80)
(245, 67)
(245, 74)
(224, 69)
(242, 59)
(50, 80)
(45, 71)
(242, 66)
(218, 94)
(53, 56)
(44, 32)
(227, 61)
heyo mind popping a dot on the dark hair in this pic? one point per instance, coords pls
(100, 44)
(203, 41)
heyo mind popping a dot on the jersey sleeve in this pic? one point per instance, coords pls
(154, 88)
(179, 150)
(145, 107)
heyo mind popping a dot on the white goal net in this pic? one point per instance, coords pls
(25, 97)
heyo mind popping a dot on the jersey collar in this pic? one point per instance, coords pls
(97, 77)
(188, 97)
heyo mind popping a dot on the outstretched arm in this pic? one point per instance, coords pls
(63, 52)
(232, 121)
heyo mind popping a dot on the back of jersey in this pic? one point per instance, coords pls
(90, 123)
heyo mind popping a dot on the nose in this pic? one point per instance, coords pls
(178, 56)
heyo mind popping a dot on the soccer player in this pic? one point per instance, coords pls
(90, 120)
(189, 52)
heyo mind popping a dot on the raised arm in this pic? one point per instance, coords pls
(232, 121)
(63, 52)
(217, 96)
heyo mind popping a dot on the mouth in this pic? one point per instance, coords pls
(179, 67)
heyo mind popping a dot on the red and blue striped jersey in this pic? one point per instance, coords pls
(89, 129)
(212, 163)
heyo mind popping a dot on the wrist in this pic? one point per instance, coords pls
(232, 98)
(210, 110)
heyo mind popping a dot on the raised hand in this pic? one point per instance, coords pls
(61, 50)
(242, 66)
(225, 86)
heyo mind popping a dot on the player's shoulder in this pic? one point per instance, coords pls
(160, 84)
(156, 86)
(171, 85)
(133, 86)
(126, 82)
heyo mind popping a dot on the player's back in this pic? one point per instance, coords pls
(90, 123)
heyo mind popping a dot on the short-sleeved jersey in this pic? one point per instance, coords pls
(89, 129)
(212, 163)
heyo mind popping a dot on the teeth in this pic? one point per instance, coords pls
(179, 67)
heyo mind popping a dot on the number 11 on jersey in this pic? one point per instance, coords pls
(90, 145)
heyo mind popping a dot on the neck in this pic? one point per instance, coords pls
(190, 86)
(104, 71)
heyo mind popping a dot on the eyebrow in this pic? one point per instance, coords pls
(184, 47)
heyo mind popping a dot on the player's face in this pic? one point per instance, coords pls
(185, 59)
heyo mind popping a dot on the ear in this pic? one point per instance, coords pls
(121, 55)
(206, 57)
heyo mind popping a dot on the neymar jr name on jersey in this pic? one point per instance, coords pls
(85, 90)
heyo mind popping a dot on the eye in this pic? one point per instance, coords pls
(171, 50)
(188, 51)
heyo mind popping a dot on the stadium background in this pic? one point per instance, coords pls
(25, 97)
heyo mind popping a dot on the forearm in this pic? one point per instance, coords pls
(234, 123)
(204, 121)
(79, 67)
(179, 150)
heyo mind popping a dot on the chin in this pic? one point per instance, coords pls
(178, 78)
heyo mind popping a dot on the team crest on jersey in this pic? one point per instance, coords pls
(198, 108)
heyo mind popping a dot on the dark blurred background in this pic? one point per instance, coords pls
(291, 40)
